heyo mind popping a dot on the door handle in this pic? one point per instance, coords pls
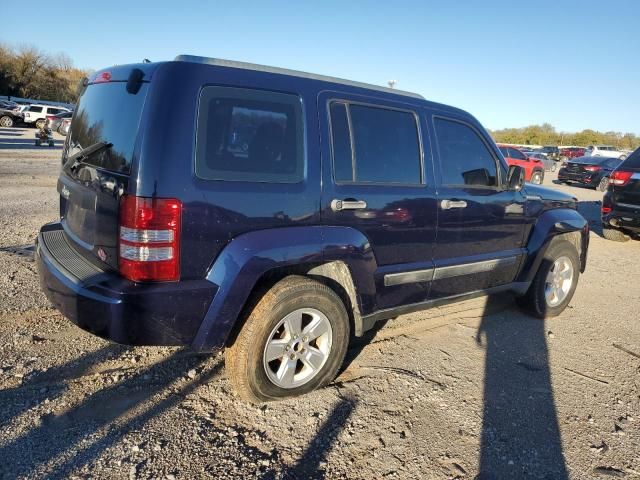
(339, 205)
(449, 204)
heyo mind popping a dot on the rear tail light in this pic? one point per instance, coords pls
(606, 210)
(620, 177)
(149, 240)
(592, 168)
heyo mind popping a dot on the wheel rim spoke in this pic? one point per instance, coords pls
(275, 349)
(315, 329)
(313, 358)
(293, 323)
(287, 371)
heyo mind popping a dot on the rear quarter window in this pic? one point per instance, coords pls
(633, 161)
(249, 135)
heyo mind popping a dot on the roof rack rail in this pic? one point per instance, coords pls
(285, 71)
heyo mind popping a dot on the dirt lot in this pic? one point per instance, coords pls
(475, 390)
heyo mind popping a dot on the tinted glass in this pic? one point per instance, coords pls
(505, 151)
(386, 145)
(35, 109)
(52, 111)
(107, 113)
(517, 154)
(633, 161)
(342, 161)
(249, 135)
(464, 158)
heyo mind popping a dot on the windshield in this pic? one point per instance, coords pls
(107, 113)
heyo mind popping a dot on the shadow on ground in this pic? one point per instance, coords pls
(520, 433)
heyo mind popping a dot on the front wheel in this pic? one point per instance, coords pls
(555, 282)
(40, 124)
(604, 184)
(294, 341)
(6, 121)
(614, 234)
(536, 178)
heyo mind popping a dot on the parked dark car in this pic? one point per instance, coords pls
(55, 121)
(10, 114)
(589, 171)
(277, 213)
(551, 152)
(621, 202)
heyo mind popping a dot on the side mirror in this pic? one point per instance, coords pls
(515, 178)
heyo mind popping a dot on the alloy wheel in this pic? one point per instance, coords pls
(297, 348)
(558, 282)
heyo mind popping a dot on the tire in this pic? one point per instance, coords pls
(40, 124)
(614, 234)
(6, 121)
(554, 167)
(536, 178)
(51, 144)
(538, 301)
(38, 143)
(604, 184)
(253, 377)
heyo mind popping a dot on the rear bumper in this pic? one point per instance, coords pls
(114, 308)
(622, 215)
(582, 178)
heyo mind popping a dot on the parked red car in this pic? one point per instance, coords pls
(572, 152)
(533, 167)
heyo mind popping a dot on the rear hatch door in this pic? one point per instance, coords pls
(97, 164)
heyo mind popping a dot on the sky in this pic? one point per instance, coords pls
(513, 63)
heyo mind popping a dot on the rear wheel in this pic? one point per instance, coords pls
(40, 123)
(604, 184)
(614, 234)
(536, 178)
(555, 282)
(38, 142)
(294, 341)
(6, 121)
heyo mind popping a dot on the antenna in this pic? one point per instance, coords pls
(392, 83)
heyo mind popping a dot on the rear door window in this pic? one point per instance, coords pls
(249, 135)
(35, 109)
(517, 154)
(375, 145)
(107, 113)
(633, 161)
(464, 157)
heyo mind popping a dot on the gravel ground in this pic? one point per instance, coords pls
(473, 390)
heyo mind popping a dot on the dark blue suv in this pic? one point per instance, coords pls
(277, 214)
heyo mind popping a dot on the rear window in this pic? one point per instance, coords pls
(633, 161)
(249, 135)
(107, 113)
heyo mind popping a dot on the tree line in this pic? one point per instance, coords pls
(28, 72)
(546, 134)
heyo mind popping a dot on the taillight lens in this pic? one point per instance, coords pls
(620, 177)
(592, 168)
(149, 238)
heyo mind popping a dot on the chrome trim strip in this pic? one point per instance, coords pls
(416, 276)
(627, 205)
(439, 273)
(471, 268)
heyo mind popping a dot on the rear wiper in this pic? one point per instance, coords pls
(85, 153)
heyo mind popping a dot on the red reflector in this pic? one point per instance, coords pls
(620, 177)
(606, 209)
(149, 238)
(102, 77)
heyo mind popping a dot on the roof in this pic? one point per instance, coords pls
(285, 71)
